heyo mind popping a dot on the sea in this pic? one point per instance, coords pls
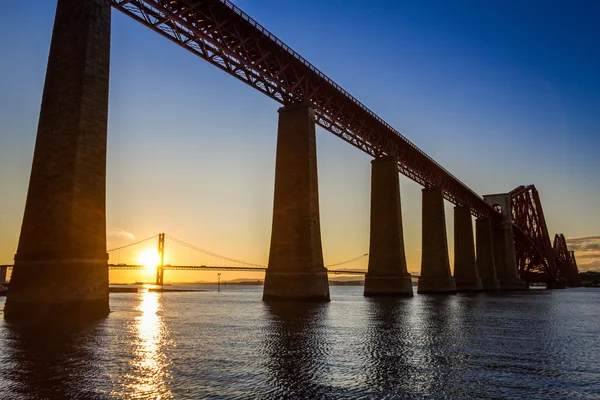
(229, 344)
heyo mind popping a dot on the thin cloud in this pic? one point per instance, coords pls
(119, 234)
(587, 254)
(583, 239)
(594, 265)
(584, 244)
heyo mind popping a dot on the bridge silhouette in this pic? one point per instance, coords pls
(197, 259)
(62, 245)
(188, 258)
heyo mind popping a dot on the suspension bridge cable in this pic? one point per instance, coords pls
(212, 254)
(251, 264)
(133, 244)
(348, 261)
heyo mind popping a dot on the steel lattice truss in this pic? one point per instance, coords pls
(537, 259)
(565, 261)
(223, 35)
(535, 256)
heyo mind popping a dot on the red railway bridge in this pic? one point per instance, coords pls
(63, 239)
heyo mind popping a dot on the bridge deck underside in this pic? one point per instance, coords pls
(226, 37)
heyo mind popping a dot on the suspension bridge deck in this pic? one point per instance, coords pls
(127, 267)
(219, 268)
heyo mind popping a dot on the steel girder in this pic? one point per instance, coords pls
(565, 262)
(535, 255)
(223, 35)
(575, 270)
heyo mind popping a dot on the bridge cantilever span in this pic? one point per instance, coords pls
(225, 36)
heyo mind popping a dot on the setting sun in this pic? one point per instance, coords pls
(149, 258)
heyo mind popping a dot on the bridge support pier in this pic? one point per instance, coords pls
(296, 270)
(465, 269)
(61, 264)
(485, 255)
(3, 271)
(435, 265)
(505, 257)
(387, 273)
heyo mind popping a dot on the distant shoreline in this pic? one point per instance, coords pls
(242, 283)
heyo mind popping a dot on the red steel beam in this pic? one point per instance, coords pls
(565, 261)
(223, 35)
(535, 255)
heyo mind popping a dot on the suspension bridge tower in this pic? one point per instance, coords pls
(160, 268)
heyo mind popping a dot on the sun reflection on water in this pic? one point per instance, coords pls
(150, 362)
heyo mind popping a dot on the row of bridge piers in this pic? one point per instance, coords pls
(61, 264)
(296, 268)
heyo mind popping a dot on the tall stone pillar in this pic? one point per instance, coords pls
(435, 265)
(3, 271)
(296, 270)
(61, 260)
(485, 255)
(505, 257)
(387, 274)
(465, 270)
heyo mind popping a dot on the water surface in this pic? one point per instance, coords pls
(231, 345)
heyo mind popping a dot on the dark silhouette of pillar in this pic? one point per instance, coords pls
(61, 260)
(466, 276)
(505, 257)
(485, 255)
(387, 274)
(296, 270)
(3, 271)
(435, 265)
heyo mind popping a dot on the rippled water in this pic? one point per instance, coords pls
(230, 345)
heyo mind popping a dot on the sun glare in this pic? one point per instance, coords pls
(149, 258)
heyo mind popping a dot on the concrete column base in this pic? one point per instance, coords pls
(503, 245)
(485, 255)
(295, 271)
(466, 275)
(296, 286)
(436, 285)
(75, 290)
(490, 285)
(388, 286)
(513, 284)
(468, 285)
(61, 263)
(435, 265)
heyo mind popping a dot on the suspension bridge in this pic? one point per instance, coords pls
(183, 256)
(162, 252)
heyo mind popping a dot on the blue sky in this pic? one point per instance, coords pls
(500, 93)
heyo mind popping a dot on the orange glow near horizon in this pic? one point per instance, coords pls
(149, 258)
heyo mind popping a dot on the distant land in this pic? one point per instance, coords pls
(338, 281)
(588, 278)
